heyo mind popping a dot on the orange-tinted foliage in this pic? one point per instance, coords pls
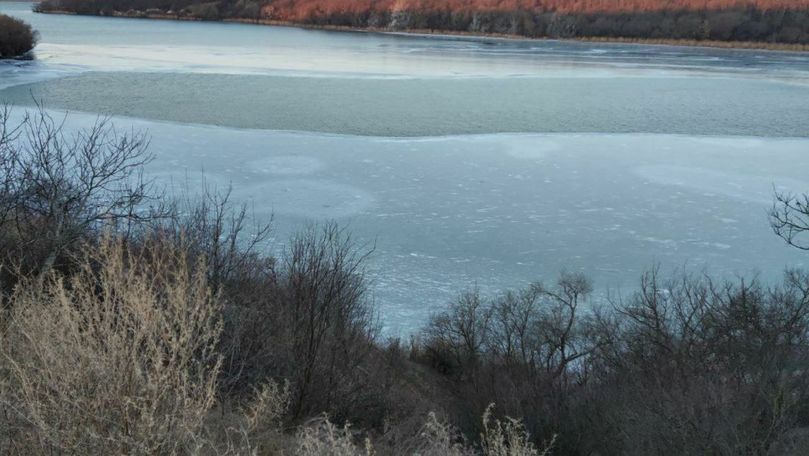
(295, 10)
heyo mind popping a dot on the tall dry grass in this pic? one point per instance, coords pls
(507, 437)
(436, 438)
(118, 359)
(121, 358)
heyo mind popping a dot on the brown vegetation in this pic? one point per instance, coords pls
(762, 21)
(301, 9)
(16, 37)
(173, 331)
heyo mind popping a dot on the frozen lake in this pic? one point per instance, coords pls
(488, 162)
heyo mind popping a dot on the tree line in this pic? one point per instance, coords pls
(785, 26)
(133, 322)
(754, 22)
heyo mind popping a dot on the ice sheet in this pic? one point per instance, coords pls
(504, 210)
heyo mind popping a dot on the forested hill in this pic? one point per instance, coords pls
(766, 21)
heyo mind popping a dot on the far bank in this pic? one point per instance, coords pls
(785, 30)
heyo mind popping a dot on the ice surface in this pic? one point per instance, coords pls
(512, 209)
(503, 210)
(747, 187)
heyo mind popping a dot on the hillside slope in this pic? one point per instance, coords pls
(303, 9)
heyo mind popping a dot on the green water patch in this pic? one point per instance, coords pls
(695, 105)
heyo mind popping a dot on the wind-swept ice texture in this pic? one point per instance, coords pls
(504, 210)
(434, 107)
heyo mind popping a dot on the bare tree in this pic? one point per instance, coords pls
(210, 224)
(463, 329)
(789, 218)
(59, 186)
(697, 367)
(328, 317)
(513, 323)
(561, 341)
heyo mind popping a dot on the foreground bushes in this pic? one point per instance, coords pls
(118, 358)
(684, 366)
(121, 358)
(171, 331)
(16, 37)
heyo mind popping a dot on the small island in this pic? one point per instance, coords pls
(17, 38)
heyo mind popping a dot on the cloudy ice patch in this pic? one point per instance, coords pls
(532, 147)
(285, 165)
(731, 144)
(746, 187)
(319, 199)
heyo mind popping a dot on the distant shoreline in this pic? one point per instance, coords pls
(741, 45)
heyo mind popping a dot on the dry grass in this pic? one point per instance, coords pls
(435, 438)
(118, 359)
(507, 438)
(121, 358)
(438, 438)
(324, 438)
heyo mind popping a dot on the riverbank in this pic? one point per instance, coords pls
(742, 45)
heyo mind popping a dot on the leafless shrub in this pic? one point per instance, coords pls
(524, 349)
(434, 438)
(207, 222)
(328, 320)
(16, 37)
(498, 438)
(461, 333)
(270, 403)
(122, 357)
(118, 358)
(56, 188)
(698, 367)
(235, 245)
(789, 218)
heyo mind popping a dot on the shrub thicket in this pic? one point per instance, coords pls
(16, 37)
